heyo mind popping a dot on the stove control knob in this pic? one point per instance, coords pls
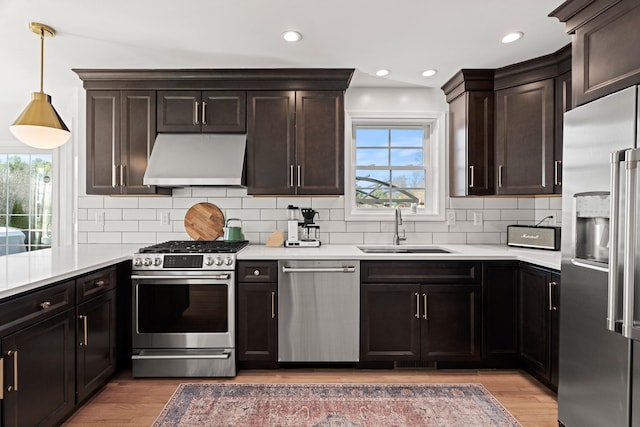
(218, 261)
(228, 261)
(146, 262)
(157, 262)
(208, 261)
(137, 262)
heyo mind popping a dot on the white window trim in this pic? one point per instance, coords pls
(436, 168)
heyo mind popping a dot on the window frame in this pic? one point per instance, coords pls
(435, 164)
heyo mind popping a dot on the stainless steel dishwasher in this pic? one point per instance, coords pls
(318, 311)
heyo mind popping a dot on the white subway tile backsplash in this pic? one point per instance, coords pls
(138, 219)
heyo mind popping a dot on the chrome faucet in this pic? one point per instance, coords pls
(396, 235)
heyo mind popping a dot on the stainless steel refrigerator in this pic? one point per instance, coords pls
(599, 383)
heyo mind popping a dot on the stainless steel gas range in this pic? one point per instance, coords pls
(183, 309)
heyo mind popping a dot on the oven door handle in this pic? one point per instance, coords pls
(179, 277)
(224, 355)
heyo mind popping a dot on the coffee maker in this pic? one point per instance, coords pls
(303, 233)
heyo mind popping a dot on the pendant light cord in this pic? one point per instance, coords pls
(41, 59)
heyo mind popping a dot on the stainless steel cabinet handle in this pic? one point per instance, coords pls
(256, 272)
(273, 304)
(99, 283)
(613, 285)
(195, 113)
(424, 296)
(471, 178)
(44, 305)
(204, 113)
(556, 172)
(552, 307)
(299, 176)
(114, 184)
(346, 269)
(122, 180)
(14, 355)
(84, 341)
(290, 175)
(417, 305)
(500, 176)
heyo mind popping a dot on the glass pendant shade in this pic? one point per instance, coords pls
(39, 125)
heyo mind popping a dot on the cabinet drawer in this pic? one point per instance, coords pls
(36, 306)
(257, 271)
(420, 272)
(95, 283)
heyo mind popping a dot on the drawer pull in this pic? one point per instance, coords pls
(424, 296)
(44, 305)
(14, 355)
(100, 283)
(273, 304)
(417, 305)
(256, 272)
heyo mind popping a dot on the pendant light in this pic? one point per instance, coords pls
(39, 125)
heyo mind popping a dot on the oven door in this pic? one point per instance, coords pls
(188, 310)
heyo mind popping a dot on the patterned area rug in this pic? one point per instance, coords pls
(333, 405)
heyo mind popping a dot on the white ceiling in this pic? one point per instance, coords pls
(405, 36)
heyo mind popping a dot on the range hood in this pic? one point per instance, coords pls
(191, 159)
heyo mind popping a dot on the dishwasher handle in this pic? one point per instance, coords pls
(346, 269)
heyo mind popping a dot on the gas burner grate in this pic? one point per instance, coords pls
(195, 246)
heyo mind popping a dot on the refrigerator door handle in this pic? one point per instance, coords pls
(628, 315)
(613, 288)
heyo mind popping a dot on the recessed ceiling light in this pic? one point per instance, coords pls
(383, 72)
(429, 73)
(292, 36)
(511, 37)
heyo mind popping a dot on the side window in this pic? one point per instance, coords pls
(25, 202)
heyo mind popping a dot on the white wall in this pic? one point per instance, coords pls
(137, 219)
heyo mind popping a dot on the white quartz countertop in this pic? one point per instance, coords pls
(29, 270)
(549, 259)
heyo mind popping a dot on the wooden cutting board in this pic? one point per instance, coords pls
(204, 221)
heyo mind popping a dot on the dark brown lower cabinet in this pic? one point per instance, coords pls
(404, 322)
(39, 372)
(96, 343)
(500, 308)
(539, 292)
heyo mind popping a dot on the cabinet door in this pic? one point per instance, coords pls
(451, 323)
(271, 143)
(103, 141)
(257, 322)
(96, 343)
(138, 135)
(471, 144)
(179, 111)
(224, 111)
(39, 372)
(563, 104)
(535, 321)
(524, 138)
(500, 310)
(389, 322)
(319, 142)
(554, 305)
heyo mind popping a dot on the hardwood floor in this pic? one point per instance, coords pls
(137, 402)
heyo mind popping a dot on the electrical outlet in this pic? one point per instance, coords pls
(451, 218)
(477, 218)
(165, 218)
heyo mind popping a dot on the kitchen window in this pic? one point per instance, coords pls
(395, 162)
(26, 213)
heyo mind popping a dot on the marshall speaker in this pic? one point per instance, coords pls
(526, 236)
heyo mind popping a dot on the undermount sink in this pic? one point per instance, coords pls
(403, 250)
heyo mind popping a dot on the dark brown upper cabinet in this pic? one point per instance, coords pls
(471, 108)
(295, 143)
(202, 111)
(120, 135)
(524, 139)
(506, 127)
(606, 54)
